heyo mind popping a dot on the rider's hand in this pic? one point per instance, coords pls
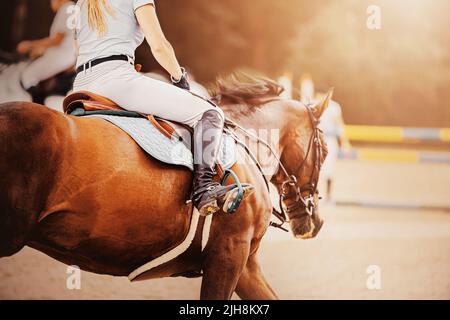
(24, 47)
(182, 82)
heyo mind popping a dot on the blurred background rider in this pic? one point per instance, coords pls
(52, 55)
(333, 126)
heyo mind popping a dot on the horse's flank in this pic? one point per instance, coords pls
(61, 169)
(26, 180)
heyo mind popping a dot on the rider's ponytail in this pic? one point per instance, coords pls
(96, 16)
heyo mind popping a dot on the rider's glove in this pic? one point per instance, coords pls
(183, 82)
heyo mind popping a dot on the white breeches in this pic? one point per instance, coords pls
(119, 81)
(54, 61)
(327, 171)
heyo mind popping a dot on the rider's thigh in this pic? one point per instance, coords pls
(136, 92)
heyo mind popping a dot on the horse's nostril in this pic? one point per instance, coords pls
(303, 228)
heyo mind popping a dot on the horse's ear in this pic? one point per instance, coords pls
(320, 108)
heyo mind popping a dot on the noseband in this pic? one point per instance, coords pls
(299, 201)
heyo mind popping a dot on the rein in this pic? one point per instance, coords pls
(300, 201)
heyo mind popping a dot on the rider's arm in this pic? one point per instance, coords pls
(161, 48)
(37, 47)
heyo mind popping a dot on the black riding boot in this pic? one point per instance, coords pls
(209, 196)
(36, 92)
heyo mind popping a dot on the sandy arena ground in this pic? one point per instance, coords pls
(412, 248)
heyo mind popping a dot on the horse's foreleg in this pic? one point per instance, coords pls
(223, 266)
(252, 285)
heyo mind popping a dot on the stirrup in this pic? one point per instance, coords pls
(240, 195)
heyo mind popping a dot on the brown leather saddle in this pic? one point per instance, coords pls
(86, 103)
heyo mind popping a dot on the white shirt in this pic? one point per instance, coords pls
(123, 33)
(59, 25)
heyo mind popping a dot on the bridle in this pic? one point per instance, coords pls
(299, 202)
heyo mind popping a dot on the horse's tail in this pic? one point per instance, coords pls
(6, 206)
(25, 164)
(9, 202)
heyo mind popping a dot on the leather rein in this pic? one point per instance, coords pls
(299, 202)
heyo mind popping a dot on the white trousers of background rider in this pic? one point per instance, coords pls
(119, 81)
(328, 167)
(54, 61)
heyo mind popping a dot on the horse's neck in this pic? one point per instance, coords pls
(271, 124)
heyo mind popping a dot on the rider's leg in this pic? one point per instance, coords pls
(329, 186)
(209, 195)
(119, 82)
(328, 167)
(50, 64)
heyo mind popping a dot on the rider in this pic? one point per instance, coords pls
(108, 34)
(57, 52)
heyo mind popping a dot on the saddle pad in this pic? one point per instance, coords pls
(171, 151)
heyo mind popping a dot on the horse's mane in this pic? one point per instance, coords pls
(242, 88)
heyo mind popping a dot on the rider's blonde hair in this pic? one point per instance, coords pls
(96, 16)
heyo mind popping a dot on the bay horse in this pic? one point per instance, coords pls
(81, 191)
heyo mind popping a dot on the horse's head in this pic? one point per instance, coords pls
(303, 155)
(303, 147)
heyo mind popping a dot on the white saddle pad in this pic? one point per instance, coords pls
(172, 151)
